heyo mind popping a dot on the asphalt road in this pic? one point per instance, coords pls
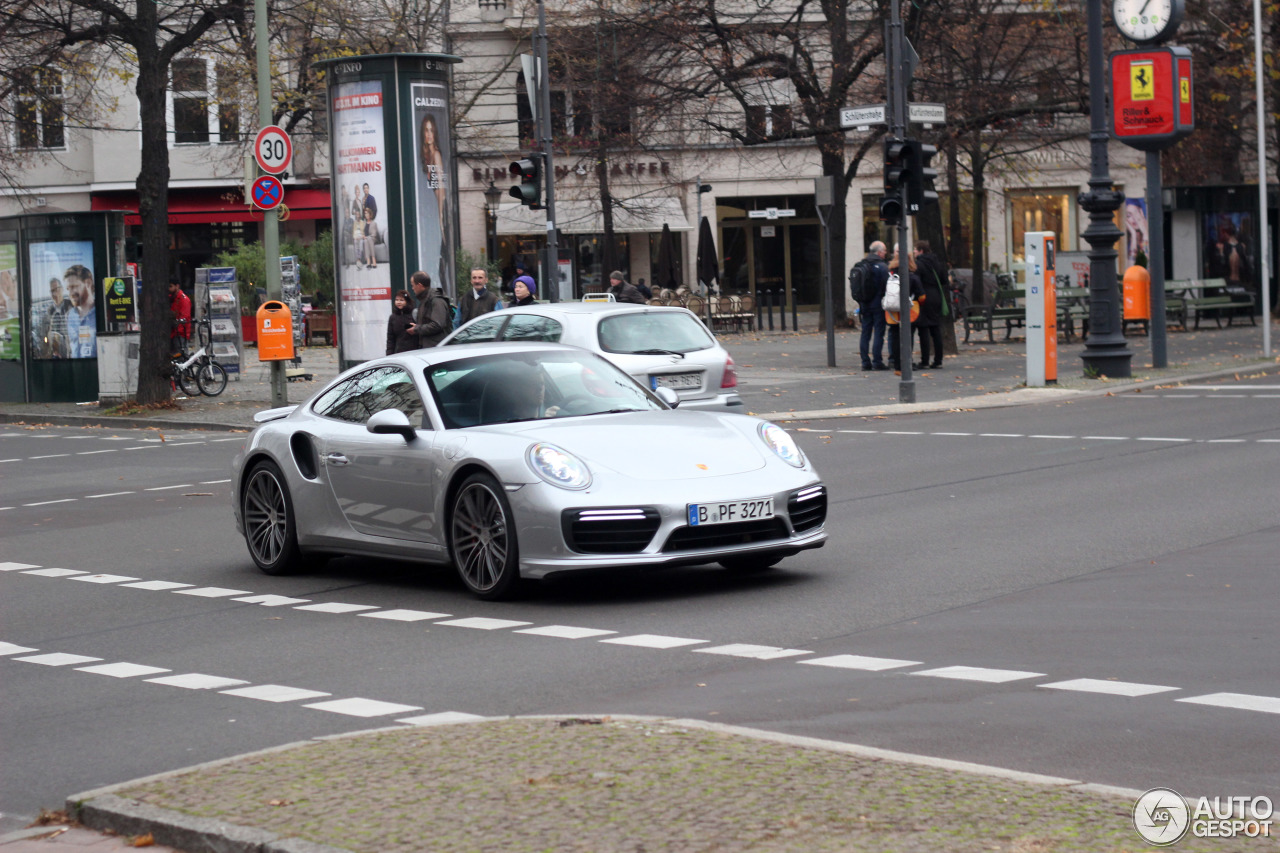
(1122, 544)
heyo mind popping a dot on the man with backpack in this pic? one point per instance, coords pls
(431, 320)
(867, 280)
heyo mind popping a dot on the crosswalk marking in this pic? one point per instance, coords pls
(565, 632)
(103, 578)
(483, 623)
(211, 592)
(870, 664)
(274, 693)
(978, 673)
(357, 707)
(196, 681)
(122, 669)
(1114, 688)
(653, 641)
(336, 607)
(57, 659)
(402, 615)
(1240, 701)
(747, 650)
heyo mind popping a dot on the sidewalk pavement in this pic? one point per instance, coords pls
(604, 784)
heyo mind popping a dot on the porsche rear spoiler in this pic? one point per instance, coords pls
(273, 414)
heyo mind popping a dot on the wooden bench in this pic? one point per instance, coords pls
(1230, 301)
(320, 325)
(1004, 308)
(1073, 308)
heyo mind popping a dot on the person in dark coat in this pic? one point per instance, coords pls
(524, 290)
(398, 337)
(431, 321)
(871, 339)
(481, 300)
(891, 317)
(934, 310)
(623, 290)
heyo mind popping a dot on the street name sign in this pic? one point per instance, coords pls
(770, 213)
(861, 118)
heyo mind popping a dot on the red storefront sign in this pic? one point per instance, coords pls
(1151, 97)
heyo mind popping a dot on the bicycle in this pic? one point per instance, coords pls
(201, 373)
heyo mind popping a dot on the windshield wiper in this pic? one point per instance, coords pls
(658, 352)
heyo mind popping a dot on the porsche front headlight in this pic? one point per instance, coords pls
(559, 467)
(781, 443)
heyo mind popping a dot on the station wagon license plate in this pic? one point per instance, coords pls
(724, 512)
(674, 380)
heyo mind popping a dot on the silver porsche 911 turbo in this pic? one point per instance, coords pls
(516, 461)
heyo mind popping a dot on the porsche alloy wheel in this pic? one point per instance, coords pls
(268, 521)
(483, 538)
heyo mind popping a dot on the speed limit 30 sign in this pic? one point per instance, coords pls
(273, 149)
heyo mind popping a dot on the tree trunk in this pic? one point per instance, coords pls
(977, 291)
(153, 209)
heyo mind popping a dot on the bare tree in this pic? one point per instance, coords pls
(141, 38)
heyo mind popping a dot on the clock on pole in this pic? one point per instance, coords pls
(1147, 21)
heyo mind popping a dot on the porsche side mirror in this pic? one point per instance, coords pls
(668, 396)
(391, 422)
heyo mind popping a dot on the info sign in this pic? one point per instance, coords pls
(1151, 97)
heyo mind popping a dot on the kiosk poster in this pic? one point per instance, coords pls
(431, 138)
(364, 277)
(64, 314)
(10, 318)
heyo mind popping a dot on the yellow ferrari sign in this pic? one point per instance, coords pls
(1142, 80)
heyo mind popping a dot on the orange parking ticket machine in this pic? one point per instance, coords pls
(275, 332)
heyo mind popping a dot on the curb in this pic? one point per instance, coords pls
(121, 423)
(103, 809)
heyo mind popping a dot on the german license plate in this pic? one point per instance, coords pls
(674, 380)
(724, 512)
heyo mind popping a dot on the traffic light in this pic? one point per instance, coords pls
(529, 171)
(920, 176)
(891, 210)
(895, 164)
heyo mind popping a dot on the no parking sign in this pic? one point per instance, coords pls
(267, 192)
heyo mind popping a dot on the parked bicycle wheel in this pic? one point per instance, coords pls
(212, 378)
(188, 381)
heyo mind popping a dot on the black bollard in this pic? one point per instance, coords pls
(795, 323)
(768, 295)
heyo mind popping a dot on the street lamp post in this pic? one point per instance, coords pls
(492, 198)
(1105, 352)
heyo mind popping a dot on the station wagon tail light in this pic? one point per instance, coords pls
(559, 467)
(781, 442)
(730, 378)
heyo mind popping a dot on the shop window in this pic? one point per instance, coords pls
(204, 102)
(768, 121)
(38, 111)
(1047, 210)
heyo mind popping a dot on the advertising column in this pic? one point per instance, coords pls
(391, 184)
(12, 386)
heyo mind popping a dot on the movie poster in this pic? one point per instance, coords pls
(64, 311)
(431, 152)
(1137, 237)
(360, 218)
(10, 313)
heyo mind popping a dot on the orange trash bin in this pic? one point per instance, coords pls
(1137, 293)
(275, 332)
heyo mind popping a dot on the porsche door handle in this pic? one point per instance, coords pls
(335, 459)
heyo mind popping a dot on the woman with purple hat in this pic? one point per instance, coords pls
(525, 289)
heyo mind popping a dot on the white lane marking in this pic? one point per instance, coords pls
(11, 649)
(143, 447)
(901, 432)
(1052, 436)
(55, 573)
(1000, 435)
(116, 438)
(211, 592)
(363, 707)
(1222, 387)
(237, 438)
(443, 718)
(197, 681)
(10, 460)
(483, 623)
(57, 659)
(182, 444)
(950, 433)
(860, 431)
(1226, 396)
(336, 607)
(1153, 438)
(747, 650)
(92, 452)
(863, 662)
(77, 437)
(272, 600)
(122, 669)
(1225, 441)
(157, 586)
(13, 567)
(275, 693)
(214, 482)
(50, 456)
(653, 641)
(1113, 688)
(103, 578)
(1239, 701)
(977, 673)
(1104, 438)
(405, 615)
(46, 503)
(166, 488)
(1269, 441)
(1181, 396)
(566, 632)
(108, 495)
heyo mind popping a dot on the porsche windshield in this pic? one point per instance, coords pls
(507, 388)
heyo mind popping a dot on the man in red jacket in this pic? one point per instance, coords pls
(180, 309)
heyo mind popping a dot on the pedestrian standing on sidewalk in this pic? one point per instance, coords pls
(524, 291)
(914, 293)
(480, 300)
(431, 320)
(933, 307)
(871, 341)
(398, 337)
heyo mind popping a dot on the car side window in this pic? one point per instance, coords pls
(532, 327)
(370, 392)
(482, 330)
